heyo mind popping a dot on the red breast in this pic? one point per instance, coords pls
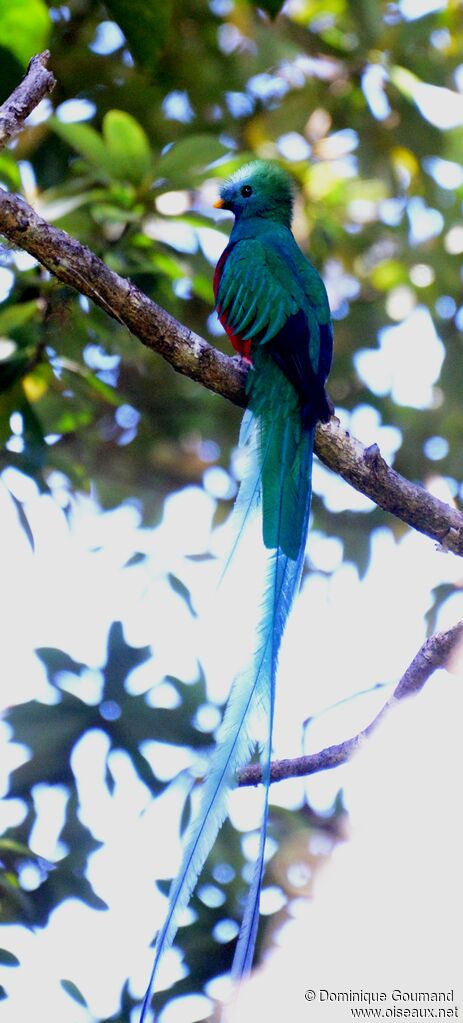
(240, 346)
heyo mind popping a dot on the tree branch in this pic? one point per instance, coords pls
(436, 652)
(37, 83)
(367, 471)
(76, 265)
(191, 355)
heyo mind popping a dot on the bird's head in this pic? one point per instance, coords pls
(259, 189)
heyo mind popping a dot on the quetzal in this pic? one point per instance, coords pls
(274, 307)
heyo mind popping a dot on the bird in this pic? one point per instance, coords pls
(274, 307)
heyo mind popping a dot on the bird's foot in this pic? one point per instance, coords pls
(330, 404)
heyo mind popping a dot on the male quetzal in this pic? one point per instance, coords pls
(274, 307)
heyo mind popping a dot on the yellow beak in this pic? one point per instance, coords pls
(219, 205)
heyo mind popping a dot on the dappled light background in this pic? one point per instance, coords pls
(117, 477)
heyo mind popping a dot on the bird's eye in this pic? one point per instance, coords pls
(246, 191)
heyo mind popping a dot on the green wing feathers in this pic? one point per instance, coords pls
(252, 296)
(271, 296)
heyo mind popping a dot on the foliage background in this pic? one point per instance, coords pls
(363, 103)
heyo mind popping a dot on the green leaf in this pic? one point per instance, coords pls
(86, 141)
(368, 20)
(388, 274)
(23, 520)
(168, 265)
(68, 720)
(59, 208)
(33, 723)
(404, 80)
(24, 27)
(99, 387)
(127, 146)
(105, 213)
(122, 154)
(188, 157)
(71, 419)
(9, 171)
(145, 26)
(182, 591)
(7, 958)
(453, 149)
(202, 286)
(56, 661)
(72, 990)
(13, 316)
(9, 848)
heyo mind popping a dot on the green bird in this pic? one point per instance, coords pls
(273, 305)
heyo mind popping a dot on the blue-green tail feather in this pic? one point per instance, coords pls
(283, 582)
(279, 480)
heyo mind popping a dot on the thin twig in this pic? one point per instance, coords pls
(436, 652)
(37, 83)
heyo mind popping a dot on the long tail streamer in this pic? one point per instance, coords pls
(279, 482)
